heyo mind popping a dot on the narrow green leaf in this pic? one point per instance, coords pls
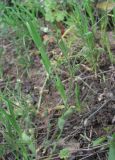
(77, 94)
(111, 155)
(61, 123)
(25, 137)
(61, 89)
(63, 48)
(32, 28)
(99, 141)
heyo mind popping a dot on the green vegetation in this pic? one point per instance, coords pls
(80, 33)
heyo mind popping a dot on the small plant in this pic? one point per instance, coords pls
(64, 154)
(12, 130)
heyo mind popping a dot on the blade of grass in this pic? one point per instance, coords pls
(63, 48)
(61, 89)
(77, 94)
(32, 28)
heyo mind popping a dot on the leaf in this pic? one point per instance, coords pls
(2, 150)
(32, 148)
(63, 48)
(50, 17)
(32, 28)
(60, 16)
(111, 155)
(61, 123)
(77, 94)
(25, 137)
(99, 141)
(111, 152)
(61, 89)
(59, 107)
(65, 116)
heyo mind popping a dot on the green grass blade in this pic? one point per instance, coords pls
(63, 48)
(77, 94)
(111, 155)
(32, 28)
(61, 89)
